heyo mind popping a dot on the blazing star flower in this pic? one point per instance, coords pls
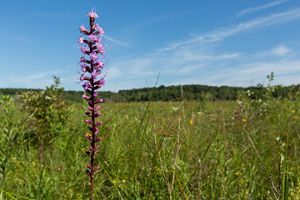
(83, 68)
(100, 48)
(91, 68)
(94, 38)
(84, 50)
(101, 82)
(99, 30)
(82, 59)
(99, 65)
(94, 56)
(95, 74)
(83, 30)
(86, 97)
(81, 40)
(87, 86)
(92, 15)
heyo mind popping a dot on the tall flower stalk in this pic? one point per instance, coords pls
(91, 67)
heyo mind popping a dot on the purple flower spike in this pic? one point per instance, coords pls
(94, 38)
(100, 48)
(99, 30)
(95, 74)
(94, 56)
(89, 121)
(91, 68)
(84, 50)
(92, 15)
(99, 65)
(86, 97)
(81, 40)
(82, 59)
(83, 68)
(83, 30)
(87, 86)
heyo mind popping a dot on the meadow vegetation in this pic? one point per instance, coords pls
(244, 149)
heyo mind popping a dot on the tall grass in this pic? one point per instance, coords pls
(162, 150)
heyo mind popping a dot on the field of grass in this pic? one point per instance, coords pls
(159, 150)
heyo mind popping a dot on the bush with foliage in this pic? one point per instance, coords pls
(47, 115)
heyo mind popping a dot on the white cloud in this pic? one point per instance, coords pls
(197, 60)
(141, 71)
(281, 50)
(278, 51)
(246, 74)
(115, 41)
(260, 8)
(192, 60)
(256, 72)
(220, 34)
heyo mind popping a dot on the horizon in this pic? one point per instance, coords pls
(151, 87)
(235, 44)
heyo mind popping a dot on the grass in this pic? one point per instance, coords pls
(161, 150)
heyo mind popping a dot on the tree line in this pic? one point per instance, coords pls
(171, 93)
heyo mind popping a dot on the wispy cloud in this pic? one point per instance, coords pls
(197, 59)
(115, 41)
(222, 33)
(278, 51)
(141, 71)
(260, 8)
(256, 72)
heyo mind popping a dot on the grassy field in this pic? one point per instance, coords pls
(164, 150)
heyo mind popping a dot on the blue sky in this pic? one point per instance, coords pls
(212, 42)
